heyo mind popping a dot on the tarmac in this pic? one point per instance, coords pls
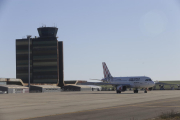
(96, 105)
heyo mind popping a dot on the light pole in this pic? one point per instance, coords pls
(28, 37)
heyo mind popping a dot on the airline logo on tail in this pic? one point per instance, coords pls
(107, 74)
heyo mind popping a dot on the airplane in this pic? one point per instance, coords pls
(122, 83)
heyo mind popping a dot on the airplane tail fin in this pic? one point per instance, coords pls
(106, 72)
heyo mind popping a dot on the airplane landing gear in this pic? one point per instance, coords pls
(117, 91)
(145, 90)
(136, 91)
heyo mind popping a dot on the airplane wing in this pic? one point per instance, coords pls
(101, 83)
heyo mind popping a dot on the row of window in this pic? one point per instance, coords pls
(47, 32)
(23, 62)
(44, 67)
(45, 45)
(44, 52)
(45, 73)
(134, 79)
(45, 80)
(24, 42)
(36, 63)
(44, 70)
(26, 62)
(45, 63)
(44, 57)
(19, 66)
(22, 57)
(49, 89)
(138, 79)
(23, 47)
(23, 74)
(45, 76)
(23, 52)
(44, 48)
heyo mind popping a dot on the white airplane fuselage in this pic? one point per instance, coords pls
(134, 82)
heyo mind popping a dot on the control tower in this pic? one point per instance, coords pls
(46, 61)
(47, 31)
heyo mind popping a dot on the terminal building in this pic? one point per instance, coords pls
(46, 58)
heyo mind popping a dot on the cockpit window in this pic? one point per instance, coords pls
(148, 80)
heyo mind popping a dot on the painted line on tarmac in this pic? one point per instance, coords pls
(139, 105)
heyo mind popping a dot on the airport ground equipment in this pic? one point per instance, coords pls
(96, 88)
(80, 88)
(166, 85)
(108, 88)
(161, 87)
(70, 88)
(178, 86)
(14, 89)
(172, 87)
(154, 88)
(44, 88)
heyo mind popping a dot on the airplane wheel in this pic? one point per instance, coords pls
(135, 91)
(118, 91)
(145, 91)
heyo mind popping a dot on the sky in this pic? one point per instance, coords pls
(133, 37)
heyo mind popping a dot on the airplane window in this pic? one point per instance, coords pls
(148, 80)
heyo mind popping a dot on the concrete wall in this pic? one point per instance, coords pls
(18, 90)
(8, 89)
(51, 90)
(42, 89)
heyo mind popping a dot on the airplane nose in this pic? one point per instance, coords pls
(153, 83)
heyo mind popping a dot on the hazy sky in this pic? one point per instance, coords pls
(133, 37)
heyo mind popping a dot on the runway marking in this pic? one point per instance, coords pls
(139, 105)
